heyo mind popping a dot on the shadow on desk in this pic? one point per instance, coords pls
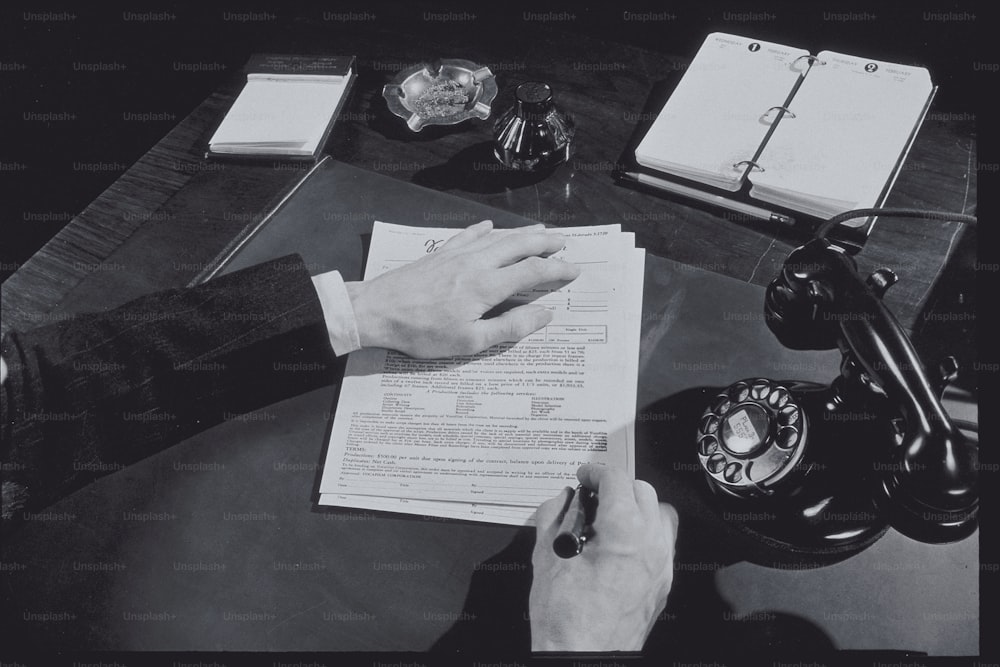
(696, 622)
(476, 170)
(211, 545)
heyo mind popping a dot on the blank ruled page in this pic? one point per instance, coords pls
(854, 120)
(717, 115)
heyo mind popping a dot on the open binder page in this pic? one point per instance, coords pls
(854, 120)
(491, 436)
(718, 114)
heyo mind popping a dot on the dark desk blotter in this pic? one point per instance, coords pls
(451, 584)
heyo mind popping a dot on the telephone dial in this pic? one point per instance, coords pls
(828, 468)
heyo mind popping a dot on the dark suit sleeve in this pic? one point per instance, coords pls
(94, 393)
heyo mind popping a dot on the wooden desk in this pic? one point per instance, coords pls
(172, 213)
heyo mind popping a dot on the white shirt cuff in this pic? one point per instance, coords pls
(338, 312)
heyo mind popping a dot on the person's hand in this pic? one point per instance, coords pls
(434, 307)
(606, 598)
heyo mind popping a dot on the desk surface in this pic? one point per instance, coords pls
(171, 213)
(216, 545)
(163, 222)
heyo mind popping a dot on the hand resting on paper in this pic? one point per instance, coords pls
(608, 597)
(434, 307)
(197, 353)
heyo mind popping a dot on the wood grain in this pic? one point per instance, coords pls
(172, 211)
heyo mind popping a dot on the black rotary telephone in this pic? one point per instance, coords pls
(827, 468)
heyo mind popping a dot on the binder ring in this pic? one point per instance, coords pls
(812, 59)
(753, 165)
(788, 113)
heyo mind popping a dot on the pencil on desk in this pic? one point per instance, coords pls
(719, 201)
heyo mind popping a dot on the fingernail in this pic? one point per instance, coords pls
(565, 263)
(541, 314)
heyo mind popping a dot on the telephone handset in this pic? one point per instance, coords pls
(827, 468)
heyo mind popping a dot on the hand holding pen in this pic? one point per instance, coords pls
(607, 597)
(577, 525)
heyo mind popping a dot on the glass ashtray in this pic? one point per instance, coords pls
(443, 92)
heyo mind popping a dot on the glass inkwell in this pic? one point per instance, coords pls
(533, 135)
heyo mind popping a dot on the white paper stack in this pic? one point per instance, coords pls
(287, 107)
(489, 437)
(275, 117)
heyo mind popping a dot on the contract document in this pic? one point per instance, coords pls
(490, 436)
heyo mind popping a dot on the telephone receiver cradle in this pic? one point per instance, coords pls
(826, 469)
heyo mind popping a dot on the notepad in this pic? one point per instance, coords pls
(816, 134)
(286, 108)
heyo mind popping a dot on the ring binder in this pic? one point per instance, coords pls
(825, 158)
(753, 165)
(788, 113)
(811, 58)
